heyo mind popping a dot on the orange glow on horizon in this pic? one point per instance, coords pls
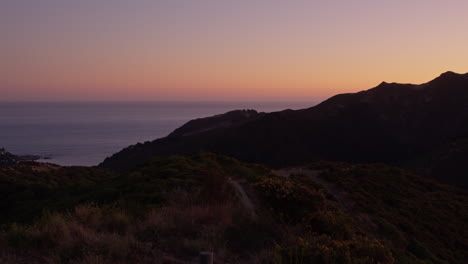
(220, 50)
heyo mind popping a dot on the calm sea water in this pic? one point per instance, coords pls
(87, 133)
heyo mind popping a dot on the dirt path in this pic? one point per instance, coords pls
(244, 198)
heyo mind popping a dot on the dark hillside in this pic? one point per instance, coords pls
(171, 208)
(399, 124)
(414, 214)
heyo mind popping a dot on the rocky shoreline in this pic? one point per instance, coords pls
(6, 158)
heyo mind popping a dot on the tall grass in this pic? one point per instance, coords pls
(96, 234)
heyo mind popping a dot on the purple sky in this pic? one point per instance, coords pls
(220, 50)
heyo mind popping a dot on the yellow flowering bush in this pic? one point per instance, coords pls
(325, 250)
(289, 199)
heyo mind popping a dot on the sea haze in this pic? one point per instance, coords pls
(86, 133)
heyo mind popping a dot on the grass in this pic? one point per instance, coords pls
(171, 208)
(183, 227)
(421, 219)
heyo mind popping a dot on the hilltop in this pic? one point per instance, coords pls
(421, 127)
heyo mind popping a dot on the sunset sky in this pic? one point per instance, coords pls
(224, 49)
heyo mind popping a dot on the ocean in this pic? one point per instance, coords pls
(85, 133)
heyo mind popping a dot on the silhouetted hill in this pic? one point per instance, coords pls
(401, 124)
(230, 119)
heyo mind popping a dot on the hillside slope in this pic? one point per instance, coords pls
(171, 208)
(399, 124)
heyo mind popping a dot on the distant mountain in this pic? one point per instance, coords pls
(423, 127)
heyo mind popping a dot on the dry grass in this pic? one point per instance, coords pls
(93, 234)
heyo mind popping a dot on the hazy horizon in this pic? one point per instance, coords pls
(223, 50)
(168, 101)
(85, 133)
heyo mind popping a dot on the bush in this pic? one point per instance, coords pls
(19, 237)
(289, 199)
(325, 250)
(247, 236)
(333, 223)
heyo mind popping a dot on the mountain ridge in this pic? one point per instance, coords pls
(391, 123)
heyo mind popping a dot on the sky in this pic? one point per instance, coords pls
(109, 50)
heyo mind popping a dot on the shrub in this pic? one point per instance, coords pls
(289, 199)
(214, 187)
(335, 223)
(325, 250)
(19, 237)
(248, 236)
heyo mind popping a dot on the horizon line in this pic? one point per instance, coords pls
(167, 101)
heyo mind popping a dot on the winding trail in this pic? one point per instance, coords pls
(244, 198)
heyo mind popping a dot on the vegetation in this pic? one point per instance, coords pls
(171, 208)
(421, 219)
(167, 210)
(319, 230)
(388, 123)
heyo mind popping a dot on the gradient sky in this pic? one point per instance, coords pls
(224, 49)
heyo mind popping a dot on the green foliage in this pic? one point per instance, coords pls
(179, 205)
(247, 236)
(18, 237)
(291, 255)
(325, 250)
(290, 200)
(423, 220)
(334, 223)
(51, 175)
(332, 235)
(59, 189)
